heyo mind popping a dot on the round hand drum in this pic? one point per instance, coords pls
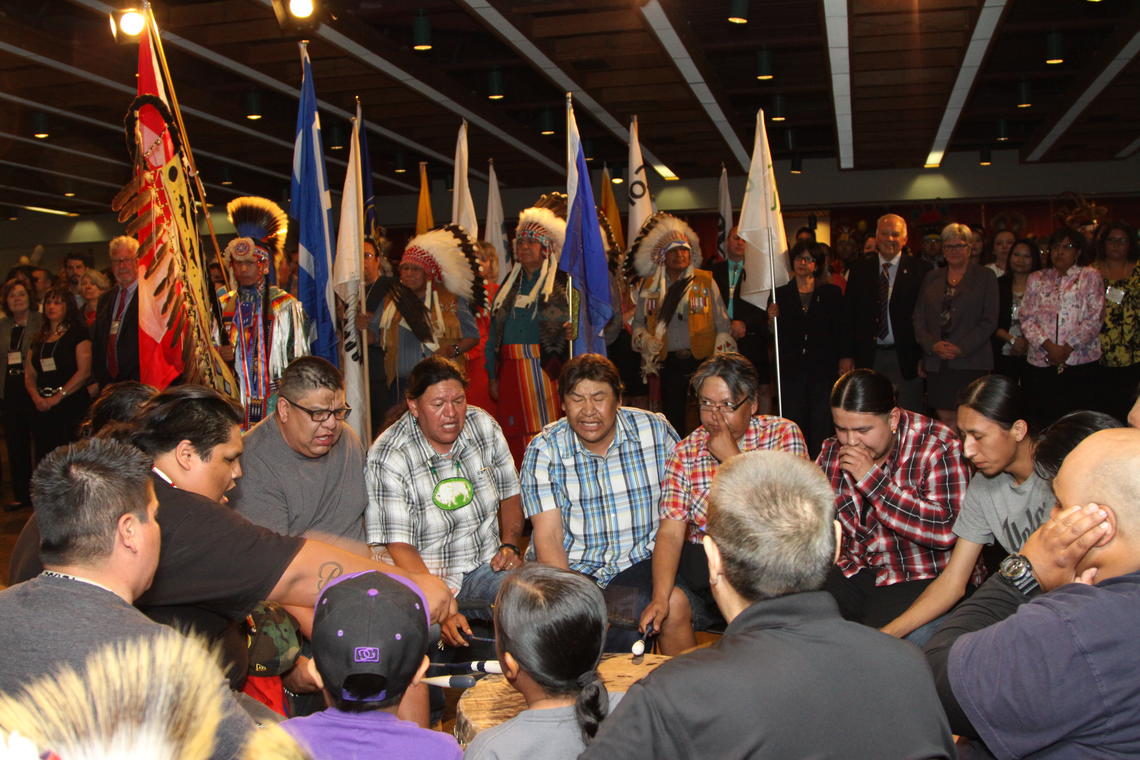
(492, 700)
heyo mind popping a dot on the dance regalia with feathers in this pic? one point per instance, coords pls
(693, 295)
(527, 344)
(544, 299)
(454, 284)
(266, 325)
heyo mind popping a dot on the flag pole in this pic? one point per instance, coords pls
(775, 324)
(361, 294)
(189, 154)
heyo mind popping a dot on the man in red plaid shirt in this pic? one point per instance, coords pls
(727, 387)
(899, 479)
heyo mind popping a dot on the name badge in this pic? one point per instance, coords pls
(1114, 294)
(15, 357)
(48, 364)
(115, 325)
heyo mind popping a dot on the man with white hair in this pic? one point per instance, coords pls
(1041, 660)
(790, 677)
(115, 335)
(881, 293)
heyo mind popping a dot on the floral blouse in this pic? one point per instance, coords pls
(1120, 335)
(1066, 309)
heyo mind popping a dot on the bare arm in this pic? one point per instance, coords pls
(510, 532)
(547, 537)
(666, 558)
(942, 594)
(318, 563)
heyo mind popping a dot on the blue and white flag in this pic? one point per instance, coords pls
(311, 206)
(583, 255)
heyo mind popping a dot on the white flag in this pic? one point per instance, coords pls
(462, 207)
(347, 277)
(637, 185)
(494, 234)
(762, 225)
(724, 221)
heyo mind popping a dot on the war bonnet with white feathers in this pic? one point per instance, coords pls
(448, 257)
(660, 233)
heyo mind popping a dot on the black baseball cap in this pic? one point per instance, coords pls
(370, 624)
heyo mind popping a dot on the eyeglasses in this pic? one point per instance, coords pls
(717, 406)
(322, 415)
(956, 246)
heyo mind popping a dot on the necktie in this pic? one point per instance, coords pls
(735, 269)
(884, 300)
(113, 338)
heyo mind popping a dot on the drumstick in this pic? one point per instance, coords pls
(638, 648)
(478, 666)
(452, 682)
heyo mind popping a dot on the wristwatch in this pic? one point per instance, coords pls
(1018, 572)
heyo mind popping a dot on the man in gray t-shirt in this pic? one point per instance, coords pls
(999, 509)
(303, 466)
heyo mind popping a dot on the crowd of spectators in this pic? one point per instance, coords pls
(947, 478)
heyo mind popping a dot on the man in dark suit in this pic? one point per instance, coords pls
(883, 338)
(749, 323)
(115, 335)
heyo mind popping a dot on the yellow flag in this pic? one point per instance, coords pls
(424, 221)
(610, 208)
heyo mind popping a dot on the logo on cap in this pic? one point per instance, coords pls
(366, 654)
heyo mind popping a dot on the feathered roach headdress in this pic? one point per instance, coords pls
(261, 227)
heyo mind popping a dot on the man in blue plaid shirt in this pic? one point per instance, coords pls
(590, 485)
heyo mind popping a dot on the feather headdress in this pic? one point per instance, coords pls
(448, 256)
(660, 233)
(260, 220)
(161, 697)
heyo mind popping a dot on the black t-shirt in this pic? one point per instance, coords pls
(212, 559)
(62, 353)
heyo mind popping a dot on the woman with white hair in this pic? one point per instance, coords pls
(954, 317)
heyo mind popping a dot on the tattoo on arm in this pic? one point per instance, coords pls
(328, 572)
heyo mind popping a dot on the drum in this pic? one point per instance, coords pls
(492, 700)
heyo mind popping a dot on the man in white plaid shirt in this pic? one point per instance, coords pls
(591, 483)
(443, 495)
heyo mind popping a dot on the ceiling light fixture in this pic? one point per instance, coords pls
(253, 105)
(1054, 48)
(421, 32)
(39, 126)
(301, 8)
(1024, 94)
(984, 156)
(738, 14)
(495, 85)
(126, 24)
(797, 164)
(336, 135)
(777, 113)
(764, 64)
(1002, 130)
(546, 122)
(400, 167)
